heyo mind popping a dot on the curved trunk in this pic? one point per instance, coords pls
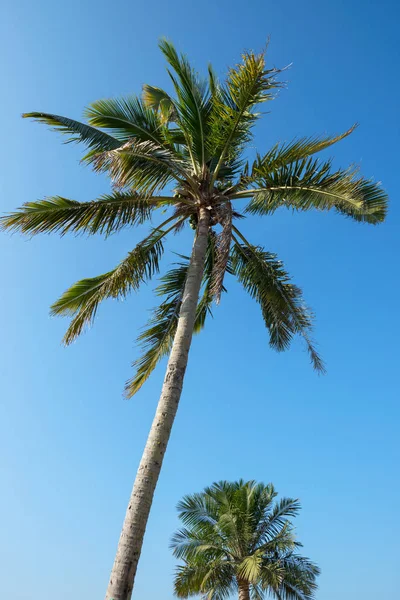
(244, 590)
(130, 543)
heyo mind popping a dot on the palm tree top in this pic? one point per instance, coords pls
(237, 536)
(194, 142)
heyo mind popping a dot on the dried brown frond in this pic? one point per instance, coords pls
(223, 244)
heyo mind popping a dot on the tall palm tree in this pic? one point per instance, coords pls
(236, 539)
(192, 145)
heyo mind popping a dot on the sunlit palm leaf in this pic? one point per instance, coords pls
(108, 214)
(250, 567)
(159, 101)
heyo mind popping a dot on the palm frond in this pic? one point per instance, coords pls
(233, 115)
(157, 339)
(309, 183)
(127, 118)
(187, 581)
(78, 132)
(196, 509)
(274, 526)
(283, 154)
(208, 296)
(106, 215)
(145, 166)
(250, 567)
(203, 542)
(82, 299)
(159, 101)
(215, 581)
(192, 104)
(281, 302)
(299, 578)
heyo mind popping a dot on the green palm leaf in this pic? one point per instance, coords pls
(158, 337)
(275, 526)
(82, 299)
(108, 214)
(298, 580)
(127, 118)
(309, 183)
(281, 155)
(232, 115)
(192, 104)
(282, 305)
(79, 132)
(159, 101)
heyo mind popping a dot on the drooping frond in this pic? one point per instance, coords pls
(309, 183)
(188, 580)
(281, 302)
(207, 297)
(250, 567)
(108, 214)
(213, 580)
(145, 166)
(82, 299)
(158, 337)
(233, 112)
(222, 252)
(78, 132)
(298, 578)
(192, 104)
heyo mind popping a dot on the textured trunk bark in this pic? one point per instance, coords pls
(244, 590)
(130, 543)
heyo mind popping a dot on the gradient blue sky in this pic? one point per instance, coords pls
(69, 443)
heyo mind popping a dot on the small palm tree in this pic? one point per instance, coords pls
(236, 539)
(191, 145)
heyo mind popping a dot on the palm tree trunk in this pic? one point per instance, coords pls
(244, 590)
(130, 543)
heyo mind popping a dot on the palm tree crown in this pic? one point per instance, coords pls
(236, 538)
(194, 143)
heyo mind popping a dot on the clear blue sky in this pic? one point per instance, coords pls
(69, 443)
